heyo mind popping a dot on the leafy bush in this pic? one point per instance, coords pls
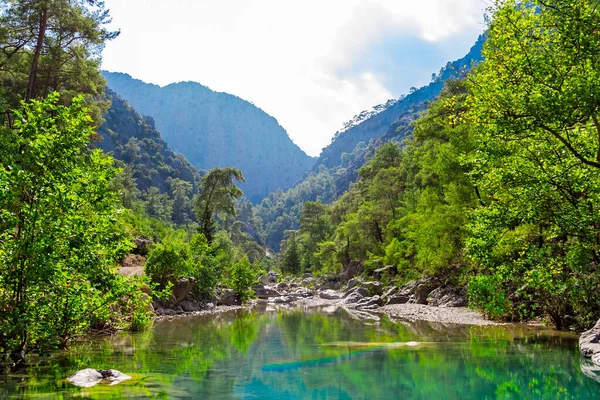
(166, 262)
(242, 278)
(487, 294)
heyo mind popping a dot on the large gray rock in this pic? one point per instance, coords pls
(370, 301)
(373, 287)
(408, 288)
(389, 270)
(361, 291)
(182, 289)
(265, 292)
(190, 306)
(142, 245)
(446, 297)
(398, 299)
(227, 298)
(353, 269)
(421, 293)
(352, 298)
(352, 283)
(330, 295)
(589, 342)
(89, 377)
(273, 276)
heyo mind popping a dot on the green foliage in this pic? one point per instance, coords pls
(218, 193)
(59, 233)
(52, 46)
(166, 262)
(242, 279)
(487, 294)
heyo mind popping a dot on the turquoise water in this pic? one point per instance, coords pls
(316, 354)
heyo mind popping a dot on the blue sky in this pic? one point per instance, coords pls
(312, 64)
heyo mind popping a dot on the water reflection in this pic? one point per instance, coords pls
(329, 353)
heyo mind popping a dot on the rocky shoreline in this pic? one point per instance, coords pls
(423, 300)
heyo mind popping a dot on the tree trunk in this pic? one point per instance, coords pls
(36, 55)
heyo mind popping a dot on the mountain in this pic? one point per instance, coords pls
(383, 121)
(214, 129)
(352, 146)
(134, 140)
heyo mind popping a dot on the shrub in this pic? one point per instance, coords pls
(242, 278)
(167, 261)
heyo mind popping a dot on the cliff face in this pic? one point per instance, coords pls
(214, 129)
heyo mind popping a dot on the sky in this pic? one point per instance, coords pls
(311, 64)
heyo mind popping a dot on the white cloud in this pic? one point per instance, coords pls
(312, 64)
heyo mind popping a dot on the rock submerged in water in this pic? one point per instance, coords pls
(589, 344)
(89, 377)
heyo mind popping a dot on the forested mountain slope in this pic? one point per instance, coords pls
(134, 140)
(396, 116)
(217, 129)
(337, 166)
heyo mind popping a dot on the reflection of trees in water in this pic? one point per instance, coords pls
(327, 355)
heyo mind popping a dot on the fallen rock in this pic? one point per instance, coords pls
(330, 295)
(399, 299)
(589, 342)
(89, 377)
(389, 270)
(282, 286)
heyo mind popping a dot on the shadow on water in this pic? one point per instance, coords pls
(318, 353)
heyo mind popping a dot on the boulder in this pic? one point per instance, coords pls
(282, 299)
(182, 289)
(190, 306)
(264, 280)
(359, 290)
(446, 297)
(421, 293)
(398, 299)
(352, 298)
(373, 287)
(142, 245)
(330, 295)
(390, 291)
(307, 275)
(227, 297)
(282, 286)
(273, 276)
(303, 292)
(589, 342)
(408, 288)
(307, 281)
(370, 301)
(352, 283)
(389, 270)
(89, 377)
(353, 269)
(265, 292)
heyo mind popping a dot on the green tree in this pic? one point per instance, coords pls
(218, 192)
(537, 152)
(59, 233)
(53, 45)
(291, 254)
